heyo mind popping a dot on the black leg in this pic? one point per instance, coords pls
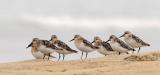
(63, 56)
(59, 56)
(119, 53)
(44, 56)
(82, 56)
(139, 49)
(86, 55)
(49, 55)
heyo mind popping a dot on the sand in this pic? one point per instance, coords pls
(109, 65)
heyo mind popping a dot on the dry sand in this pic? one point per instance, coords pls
(109, 65)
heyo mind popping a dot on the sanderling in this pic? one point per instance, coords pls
(119, 45)
(43, 46)
(133, 41)
(83, 45)
(65, 48)
(37, 54)
(104, 47)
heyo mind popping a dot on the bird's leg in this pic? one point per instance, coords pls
(86, 55)
(49, 55)
(139, 49)
(63, 56)
(59, 57)
(82, 56)
(44, 56)
(119, 53)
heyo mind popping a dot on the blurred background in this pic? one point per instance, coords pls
(22, 20)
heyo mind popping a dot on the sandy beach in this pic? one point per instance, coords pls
(109, 65)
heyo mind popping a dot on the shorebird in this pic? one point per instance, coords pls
(43, 46)
(119, 45)
(104, 47)
(133, 41)
(65, 49)
(37, 54)
(83, 45)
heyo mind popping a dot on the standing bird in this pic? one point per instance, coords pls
(119, 45)
(65, 49)
(104, 47)
(37, 54)
(133, 41)
(35, 44)
(83, 45)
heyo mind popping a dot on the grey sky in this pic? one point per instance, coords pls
(84, 8)
(22, 20)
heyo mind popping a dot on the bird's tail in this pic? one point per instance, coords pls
(74, 51)
(52, 56)
(147, 44)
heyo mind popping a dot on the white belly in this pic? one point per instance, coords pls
(132, 43)
(45, 50)
(118, 48)
(37, 54)
(84, 48)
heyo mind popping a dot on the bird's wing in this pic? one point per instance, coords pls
(124, 45)
(54, 47)
(49, 45)
(87, 43)
(65, 46)
(107, 46)
(138, 40)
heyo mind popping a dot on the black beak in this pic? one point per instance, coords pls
(71, 40)
(29, 45)
(93, 41)
(122, 36)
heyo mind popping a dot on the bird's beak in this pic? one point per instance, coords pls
(50, 40)
(93, 41)
(29, 45)
(122, 36)
(71, 40)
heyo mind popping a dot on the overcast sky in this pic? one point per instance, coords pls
(93, 13)
(22, 20)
